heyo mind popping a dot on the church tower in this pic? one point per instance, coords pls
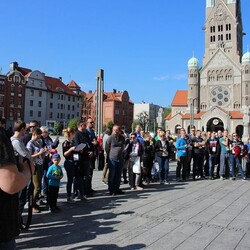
(193, 85)
(223, 29)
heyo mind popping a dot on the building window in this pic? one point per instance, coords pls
(69, 98)
(18, 113)
(228, 26)
(220, 28)
(228, 77)
(17, 79)
(1, 87)
(73, 108)
(39, 104)
(11, 113)
(1, 100)
(12, 88)
(68, 116)
(50, 115)
(31, 113)
(39, 114)
(31, 103)
(219, 78)
(51, 105)
(51, 95)
(73, 99)
(20, 89)
(236, 105)
(58, 105)
(68, 107)
(40, 93)
(32, 92)
(61, 106)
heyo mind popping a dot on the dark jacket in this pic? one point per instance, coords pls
(160, 150)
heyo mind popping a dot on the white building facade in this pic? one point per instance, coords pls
(218, 95)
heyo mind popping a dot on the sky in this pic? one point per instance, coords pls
(143, 46)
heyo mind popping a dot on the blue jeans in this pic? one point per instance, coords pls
(224, 163)
(236, 161)
(115, 171)
(212, 161)
(163, 162)
(70, 171)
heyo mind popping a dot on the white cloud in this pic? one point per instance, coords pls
(180, 77)
(160, 78)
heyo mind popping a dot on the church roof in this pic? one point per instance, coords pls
(193, 63)
(168, 117)
(196, 116)
(180, 98)
(236, 115)
(246, 58)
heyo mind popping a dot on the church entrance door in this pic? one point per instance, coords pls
(215, 124)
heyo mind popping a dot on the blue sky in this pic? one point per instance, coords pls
(142, 45)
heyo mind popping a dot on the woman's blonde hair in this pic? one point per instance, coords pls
(68, 131)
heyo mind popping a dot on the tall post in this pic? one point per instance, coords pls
(191, 113)
(99, 100)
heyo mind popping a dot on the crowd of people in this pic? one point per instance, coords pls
(137, 158)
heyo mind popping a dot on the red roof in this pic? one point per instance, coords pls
(196, 116)
(73, 84)
(56, 85)
(24, 71)
(180, 98)
(168, 117)
(236, 115)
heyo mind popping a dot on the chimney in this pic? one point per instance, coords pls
(90, 91)
(13, 66)
(114, 91)
(60, 78)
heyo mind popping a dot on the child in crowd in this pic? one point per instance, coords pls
(54, 176)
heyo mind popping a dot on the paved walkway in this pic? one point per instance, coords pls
(204, 214)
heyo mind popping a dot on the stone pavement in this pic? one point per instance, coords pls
(203, 214)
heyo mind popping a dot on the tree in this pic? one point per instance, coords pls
(73, 124)
(143, 119)
(58, 128)
(110, 124)
(167, 111)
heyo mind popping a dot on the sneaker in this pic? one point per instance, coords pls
(71, 200)
(222, 178)
(84, 198)
(166, 182)
(244, 178)
(211, 178)
(119, 191)
(133, 189)
(232, 178)
(138, 188)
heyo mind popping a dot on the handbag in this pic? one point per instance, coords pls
(137, 166)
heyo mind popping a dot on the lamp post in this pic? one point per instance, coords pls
(99, 100)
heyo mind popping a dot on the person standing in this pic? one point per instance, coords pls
(163, 150)
(199, 150)
(93, 143)
(21, 151)
(134, 151)
(82, 159)
(224, 155)
(37, 153)
(105, 172)
(54, 175)
(69, 165)
(181, 147)
(12, 181)
(213, 151)
(114, 148)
